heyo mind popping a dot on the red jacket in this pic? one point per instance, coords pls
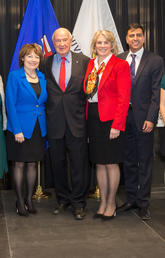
(113, 91)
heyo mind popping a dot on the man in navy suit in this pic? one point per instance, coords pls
(146, 73)
(66, 123)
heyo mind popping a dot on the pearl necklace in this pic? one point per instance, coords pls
(31, 76)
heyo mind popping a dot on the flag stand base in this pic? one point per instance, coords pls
(96, 194)
(39, 194)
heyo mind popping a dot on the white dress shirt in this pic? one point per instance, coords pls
(138, 57)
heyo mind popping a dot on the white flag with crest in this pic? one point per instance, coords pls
(93, 15)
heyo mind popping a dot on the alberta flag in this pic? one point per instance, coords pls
(93, 15)
(38, 25)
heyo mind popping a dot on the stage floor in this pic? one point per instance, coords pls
(45, 235)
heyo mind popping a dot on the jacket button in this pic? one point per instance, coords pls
(37, 105)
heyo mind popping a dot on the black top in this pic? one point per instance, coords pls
(36, 87)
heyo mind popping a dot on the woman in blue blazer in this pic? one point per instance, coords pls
(26, 96)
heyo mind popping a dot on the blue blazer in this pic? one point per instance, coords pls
(22, 105)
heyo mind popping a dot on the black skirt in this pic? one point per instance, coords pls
(102, 150)
(30, 150)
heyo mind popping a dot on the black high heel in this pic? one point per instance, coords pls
(30, 207)
(21, 212)
(97, 216)
(105, 218)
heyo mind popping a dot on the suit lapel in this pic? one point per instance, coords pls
(141, 65)
(123, 55)
(107, 71)
(49, 69)
(89, 70)
(42, 86)
(75, 62)
(26, 84)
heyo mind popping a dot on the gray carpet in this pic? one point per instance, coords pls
(47, 236)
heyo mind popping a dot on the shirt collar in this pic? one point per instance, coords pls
(105, 60)
(139, 53)
(67, 56)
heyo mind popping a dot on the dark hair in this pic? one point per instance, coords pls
(27, 49)
(134, 26)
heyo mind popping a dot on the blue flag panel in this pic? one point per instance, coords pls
(38, 25)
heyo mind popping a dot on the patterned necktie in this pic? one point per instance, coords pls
(132, 68)
(62, 74)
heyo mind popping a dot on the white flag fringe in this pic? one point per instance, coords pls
(93, 15)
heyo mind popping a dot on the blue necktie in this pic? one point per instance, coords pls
(132, 68)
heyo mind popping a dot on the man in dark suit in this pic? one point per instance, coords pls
(146, 73)
(66, 123)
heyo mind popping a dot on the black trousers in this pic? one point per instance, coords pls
(138, 163)
(75, 192)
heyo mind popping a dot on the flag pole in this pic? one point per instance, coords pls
(39, 194)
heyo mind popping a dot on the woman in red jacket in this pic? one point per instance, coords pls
(107, 86)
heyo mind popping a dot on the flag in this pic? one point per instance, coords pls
(93, 15)
(38, 25)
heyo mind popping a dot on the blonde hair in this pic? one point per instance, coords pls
(27, 49)
(109, 37)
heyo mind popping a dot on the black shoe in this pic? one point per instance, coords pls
(60, 208)
(144, 213)
(79, 213)
(30, 207)
(126, 207)
(105, 218)
(21, 211)
(97, 216)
